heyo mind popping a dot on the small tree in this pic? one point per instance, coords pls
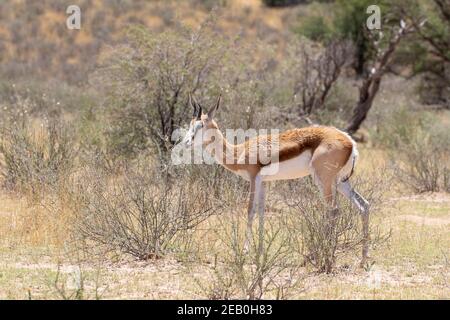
(385, 44)
(435, 35)
(149, 80)
(350, 24)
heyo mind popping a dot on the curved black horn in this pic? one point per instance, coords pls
(214, 109)
(193, 105)
(199, 108)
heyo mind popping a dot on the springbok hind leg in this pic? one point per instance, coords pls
(326, 164)
(326, 188)
(346, 190)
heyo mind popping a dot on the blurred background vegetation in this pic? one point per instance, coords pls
(124, 76)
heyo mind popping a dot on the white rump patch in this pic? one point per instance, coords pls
(351, 162)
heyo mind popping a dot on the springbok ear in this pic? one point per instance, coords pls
(199, 109)
(213, 110)
(194, 105)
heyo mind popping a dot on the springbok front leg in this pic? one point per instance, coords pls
(346, 190)
(250, 213)
(261, 208)
(256, 188)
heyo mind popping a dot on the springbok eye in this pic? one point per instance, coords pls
(198, 126)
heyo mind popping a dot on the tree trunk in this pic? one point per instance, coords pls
(367, 94)
(371, 83)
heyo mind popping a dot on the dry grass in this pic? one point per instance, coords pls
(414, 265)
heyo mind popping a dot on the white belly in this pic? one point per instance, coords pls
(293, 168)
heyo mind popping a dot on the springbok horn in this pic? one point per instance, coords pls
(199, 108)
(214, 109)
(193, 105)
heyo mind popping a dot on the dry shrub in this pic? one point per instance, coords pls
(398, 126)
(421, 163)
(139, 212)
(323, 237)
(419, 151)
(320, 235)
(268, 269)
(35, 159)
(318, 75)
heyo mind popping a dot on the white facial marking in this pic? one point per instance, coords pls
(192, 134)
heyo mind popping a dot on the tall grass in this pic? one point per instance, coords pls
(36, 157)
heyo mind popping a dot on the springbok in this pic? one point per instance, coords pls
(326, 153)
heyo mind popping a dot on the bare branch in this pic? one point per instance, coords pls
(319, 74)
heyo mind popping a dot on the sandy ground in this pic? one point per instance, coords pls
(414, 264)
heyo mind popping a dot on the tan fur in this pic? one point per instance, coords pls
(330, 149)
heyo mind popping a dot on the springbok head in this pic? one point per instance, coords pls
(201, 125)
